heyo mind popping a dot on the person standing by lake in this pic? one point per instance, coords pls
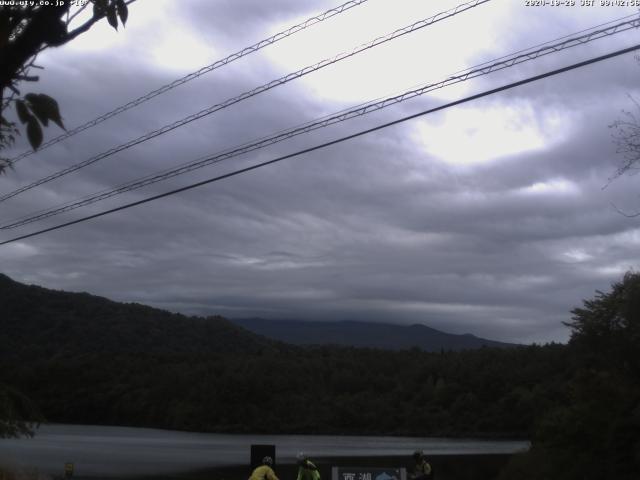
(422, 469)
(306, 468)
(264, 471)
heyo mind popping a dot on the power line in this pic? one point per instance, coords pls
(334, 142)
(251, 93)
(193, 75)
(592, 29)
(484, 69)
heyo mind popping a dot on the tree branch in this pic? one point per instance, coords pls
(82, 28)
(78, 12)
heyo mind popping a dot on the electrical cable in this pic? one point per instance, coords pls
(508, 86)
(193, 75)
(484, 69)
(251, 93)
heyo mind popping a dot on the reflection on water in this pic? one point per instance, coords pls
(115, 451)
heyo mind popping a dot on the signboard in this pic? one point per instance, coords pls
(68, 469)
(365, 473)
(258, 452)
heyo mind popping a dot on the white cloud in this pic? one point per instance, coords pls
(558, 186)
(478, 134)
(18, 250)
(426, 55)
(577, 255)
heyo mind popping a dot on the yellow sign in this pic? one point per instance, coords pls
(68, 469)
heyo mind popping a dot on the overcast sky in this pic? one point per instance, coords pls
(488, 218)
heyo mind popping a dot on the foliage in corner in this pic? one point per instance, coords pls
(36, 110)
(626, 137)
(595, 433)
(19, 417)
(26, 29)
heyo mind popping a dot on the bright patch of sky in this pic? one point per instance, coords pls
(423, 56)
(171, 45)
(481, 133)
(577, 255)
(554, 186)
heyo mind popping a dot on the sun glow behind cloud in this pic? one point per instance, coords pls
(414, 59)
(476, 135)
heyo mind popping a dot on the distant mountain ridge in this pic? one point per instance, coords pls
(40, 323)
(364, 334)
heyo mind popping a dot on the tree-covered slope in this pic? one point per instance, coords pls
(38, 323)
(86, 359)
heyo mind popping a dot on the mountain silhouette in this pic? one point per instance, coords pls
(364, 334)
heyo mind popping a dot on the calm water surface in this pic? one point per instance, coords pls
(117, 451)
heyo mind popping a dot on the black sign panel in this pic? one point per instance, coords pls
(258, 452)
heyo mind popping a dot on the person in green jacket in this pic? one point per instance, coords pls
(306, 469)
(264, 471)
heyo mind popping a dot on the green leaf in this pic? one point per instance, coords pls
(123, 11)
(34, 133)
(45, 108)
(22, 111)
(112, 18)
(36, 107)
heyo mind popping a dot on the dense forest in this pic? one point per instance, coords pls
(84, 359)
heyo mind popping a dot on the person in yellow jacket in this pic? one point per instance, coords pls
(306, 468)
(264, 471)
(422, 469)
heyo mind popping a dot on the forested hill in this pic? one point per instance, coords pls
(364, 334)
(42, 323)
(85, 359)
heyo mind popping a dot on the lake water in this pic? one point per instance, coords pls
(117, 451)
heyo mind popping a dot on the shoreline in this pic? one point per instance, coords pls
(445, 466)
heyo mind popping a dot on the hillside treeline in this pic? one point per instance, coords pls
(579, 403)
(319, 390)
